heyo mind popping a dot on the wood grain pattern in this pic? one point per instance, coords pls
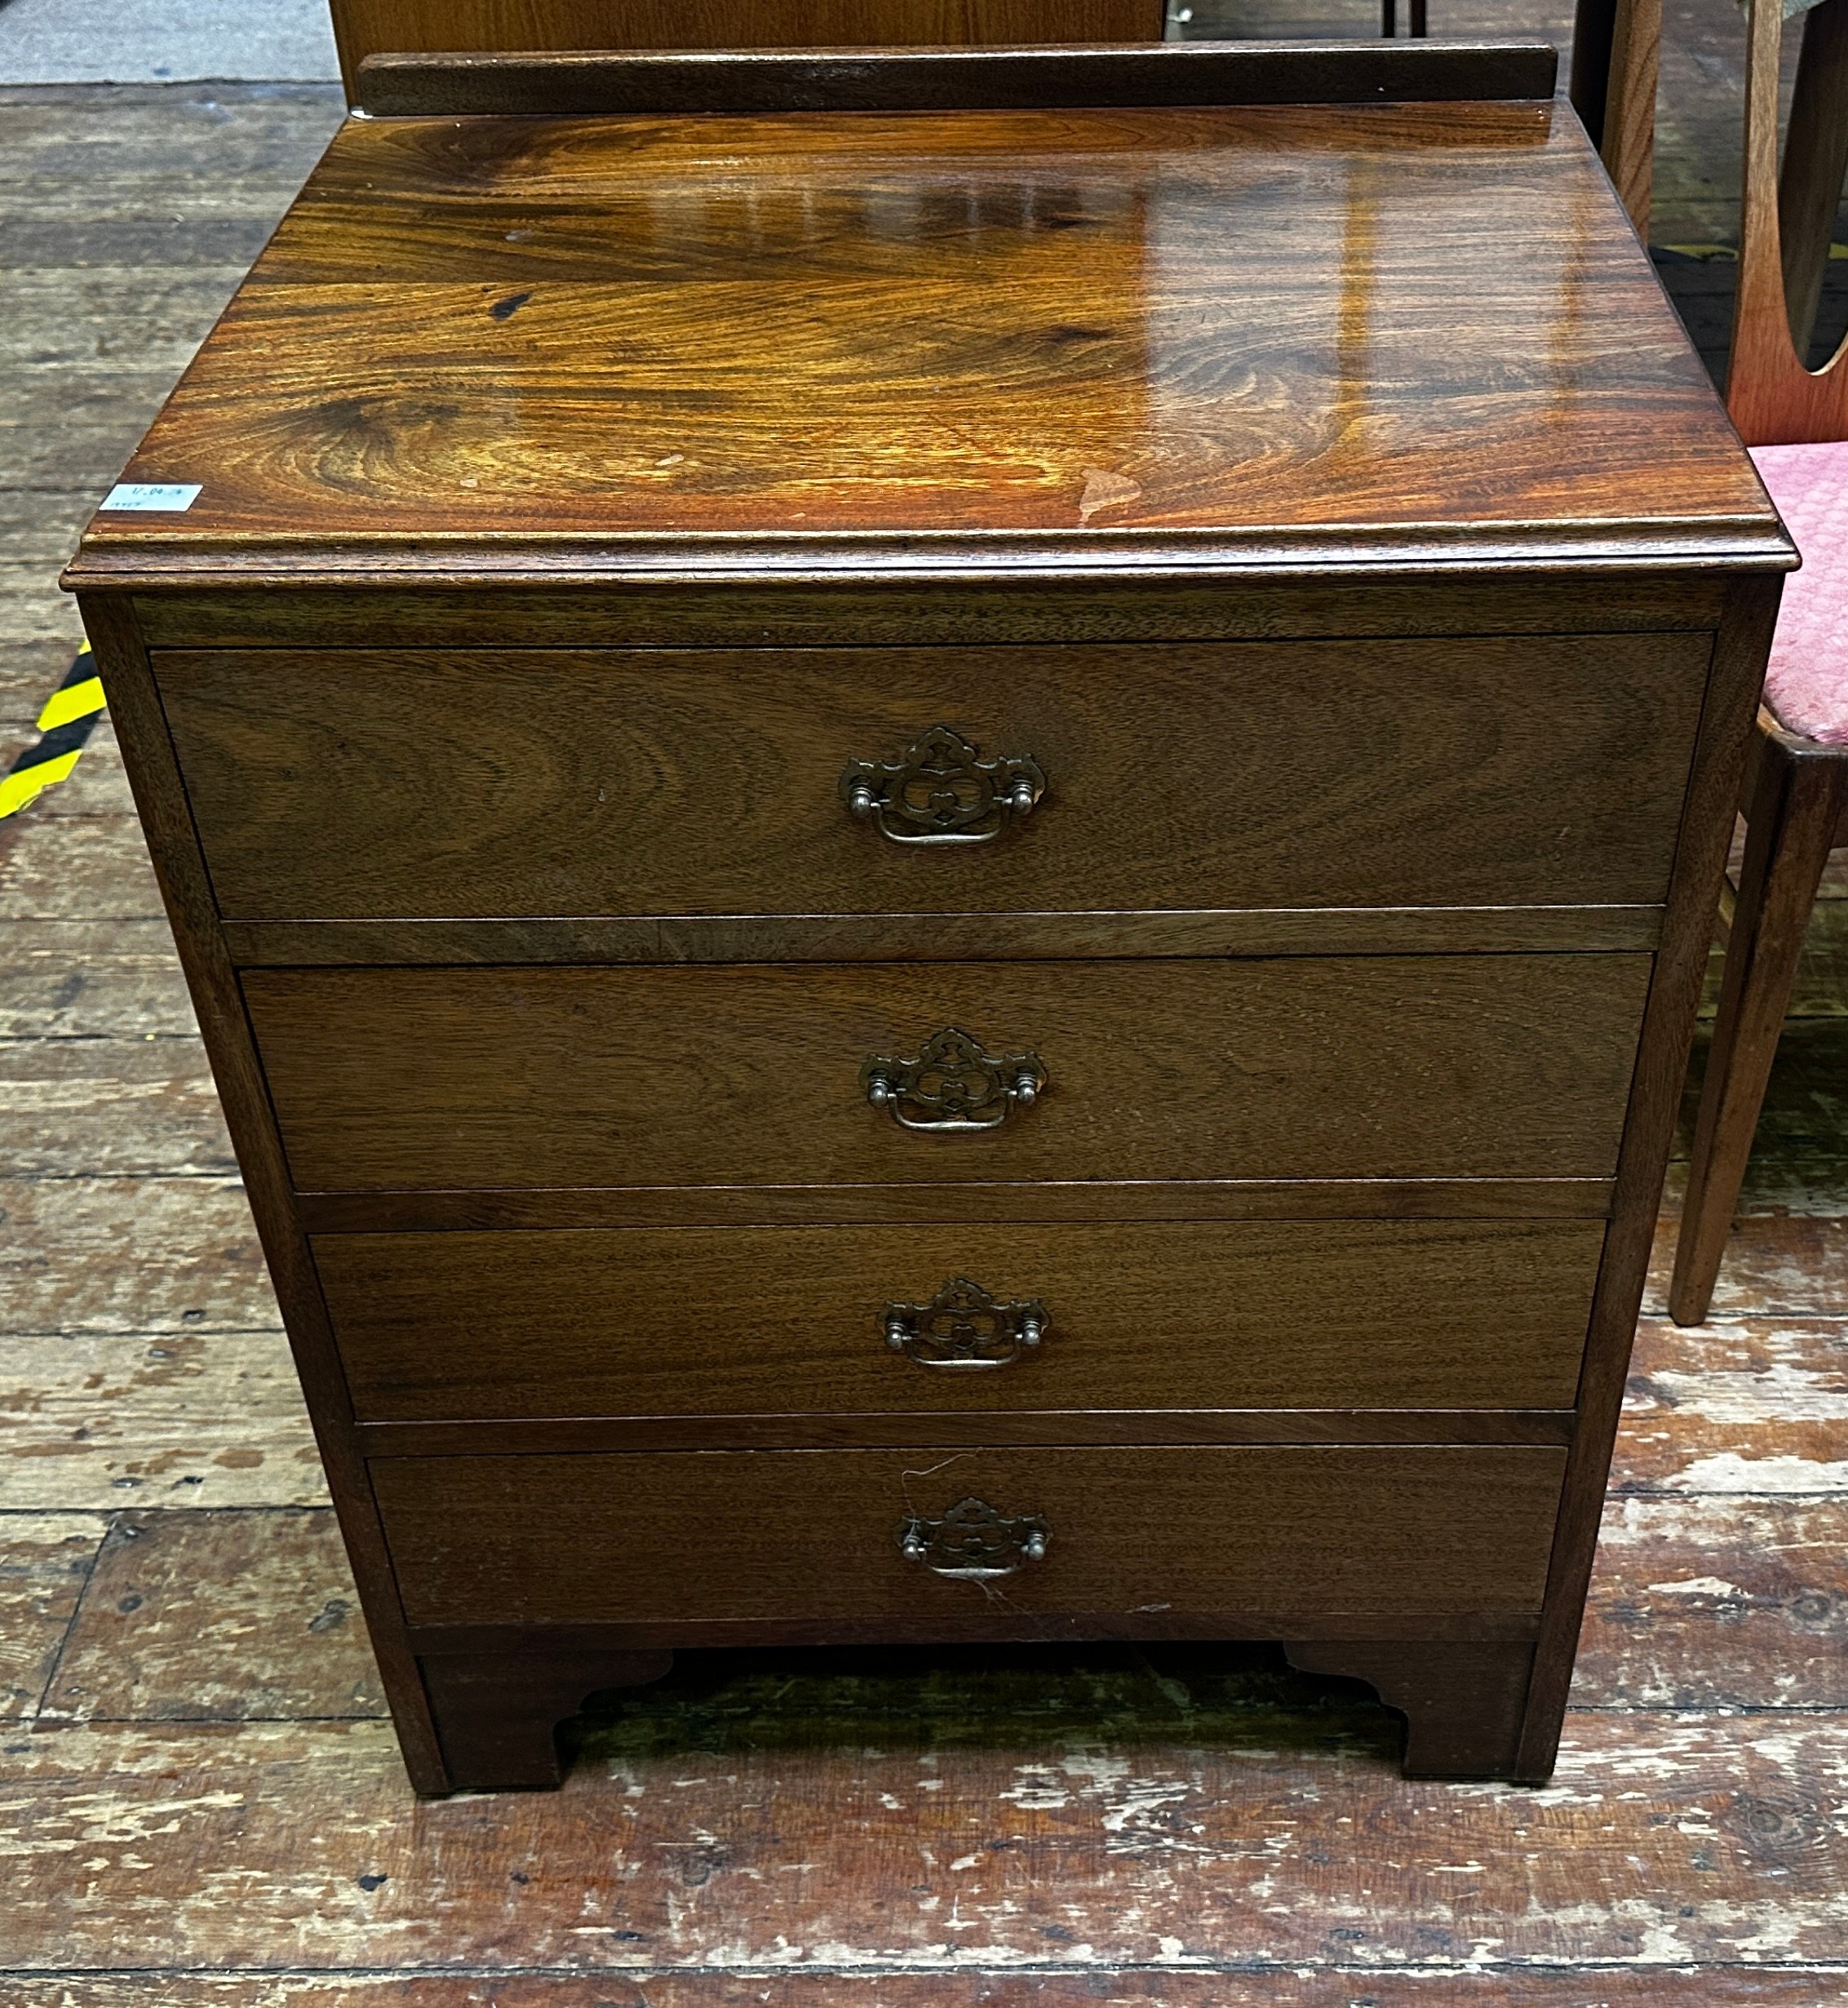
(1793, 802)
(1680, 1858)
(900, 1429)
(131, 1255)
(361, 27)
(1054, 303)
(83, 979)
(1372, 1067)
(1171, 1536)
(1627, 143)
(789, 1322)
(1499, 772)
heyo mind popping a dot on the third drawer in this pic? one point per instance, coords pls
(919, 1320)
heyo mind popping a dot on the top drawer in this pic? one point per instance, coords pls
(463, 784)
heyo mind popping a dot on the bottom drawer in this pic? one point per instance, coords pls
(789, 1537)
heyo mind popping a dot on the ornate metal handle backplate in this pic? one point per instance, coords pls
(953, 1085)
(973, 1542)
(962, 1326)
(940, 790)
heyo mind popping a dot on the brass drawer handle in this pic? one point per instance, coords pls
(973, 1541)
(953, 1085)
(940, 790)
(963, 1326)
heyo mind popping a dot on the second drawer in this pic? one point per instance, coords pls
(1382, 1066)
(833, 1321)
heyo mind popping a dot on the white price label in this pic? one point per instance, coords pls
(152, 496)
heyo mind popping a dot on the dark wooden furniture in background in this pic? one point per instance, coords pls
(1795, 797)
(1617, 61)
(707, 1211)
(364, 28)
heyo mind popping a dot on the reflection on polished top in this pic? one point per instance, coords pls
(1111, 337)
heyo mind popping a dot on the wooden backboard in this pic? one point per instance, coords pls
(367, 27)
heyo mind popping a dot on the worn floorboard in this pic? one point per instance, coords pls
(188, 1417)
(45, 1559)
(129, 1257)
(199, 1806)
(93, 979)
(218, 1616)
(1057, 1826)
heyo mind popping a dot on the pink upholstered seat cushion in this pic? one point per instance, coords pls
(1807, 684)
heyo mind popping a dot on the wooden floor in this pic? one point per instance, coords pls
(202, 1804)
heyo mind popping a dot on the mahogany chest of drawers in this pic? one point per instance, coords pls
(945, 827)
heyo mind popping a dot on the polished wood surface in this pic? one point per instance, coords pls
(1375, 1067)
(991, 380)
(361, 27)
(600, 338)
(791, 1321)
(232, 1722)
(813, 1535)
(1500, 772)
(890, 80)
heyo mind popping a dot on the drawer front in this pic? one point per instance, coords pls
(789, 1321)
(1506, 770)
(767, 1536)
(1343, 1067)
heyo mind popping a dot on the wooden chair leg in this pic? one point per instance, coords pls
(496, 1713)
(1790, 828)
(1464, 1701)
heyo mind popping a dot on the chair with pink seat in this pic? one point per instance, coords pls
(1795, 796)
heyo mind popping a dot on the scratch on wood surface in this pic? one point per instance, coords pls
(1105, 490)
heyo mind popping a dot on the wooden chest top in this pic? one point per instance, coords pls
(1177, 335)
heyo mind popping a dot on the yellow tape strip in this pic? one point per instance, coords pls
(17, 789)
(76, 700)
